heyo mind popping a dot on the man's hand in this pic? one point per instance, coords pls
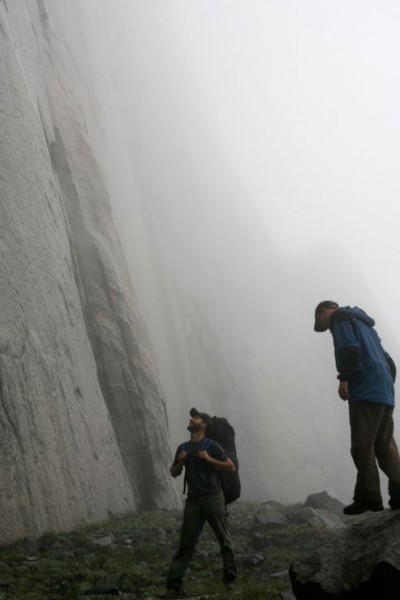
(182, 455)
(203, 455)
(343, 390)
(223, 465)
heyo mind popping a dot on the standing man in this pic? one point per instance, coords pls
(202, 458)
(366, 377)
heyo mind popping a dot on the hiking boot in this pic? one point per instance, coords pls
(360, 507)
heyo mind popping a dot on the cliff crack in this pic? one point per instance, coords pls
(7, 414)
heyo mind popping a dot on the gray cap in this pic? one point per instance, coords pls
(323, 304)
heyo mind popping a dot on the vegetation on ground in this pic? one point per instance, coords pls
(128, 557)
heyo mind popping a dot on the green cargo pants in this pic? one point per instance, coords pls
(210, 508)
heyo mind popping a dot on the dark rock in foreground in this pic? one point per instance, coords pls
(325, 501)
(361, 563)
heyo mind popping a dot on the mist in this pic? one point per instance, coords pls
(251, 153)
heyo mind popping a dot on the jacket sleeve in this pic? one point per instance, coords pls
(346, 345)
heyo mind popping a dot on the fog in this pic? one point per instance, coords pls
(252, 155)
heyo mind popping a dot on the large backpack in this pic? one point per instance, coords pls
(222, 432)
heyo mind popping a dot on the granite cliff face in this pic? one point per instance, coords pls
(83, 422)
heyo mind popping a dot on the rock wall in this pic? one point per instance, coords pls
(82, 419)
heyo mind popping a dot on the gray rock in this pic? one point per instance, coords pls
(318, 518)
(327, 520)
(280, 574)
(302, 515)
(252, 560)
(272, 505)
(104, 541)
(361, 562)
(272, 517)
(324, 501)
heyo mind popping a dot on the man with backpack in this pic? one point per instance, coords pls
(202, 458)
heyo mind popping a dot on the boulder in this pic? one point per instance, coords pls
(272, 517)
(302, 515)
(319, 518)
(361, 562)
(325, 501)
(325, 519)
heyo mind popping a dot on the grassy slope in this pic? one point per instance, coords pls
(136, 553)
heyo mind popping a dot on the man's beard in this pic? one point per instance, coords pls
(194, 427)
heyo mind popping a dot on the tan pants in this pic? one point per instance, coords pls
(372, 441)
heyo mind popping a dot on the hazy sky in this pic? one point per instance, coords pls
(308, 94)
(304, 98)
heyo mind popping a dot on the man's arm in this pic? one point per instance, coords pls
(347, 354)
(178, 464)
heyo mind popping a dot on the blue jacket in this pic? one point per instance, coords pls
(360, 357)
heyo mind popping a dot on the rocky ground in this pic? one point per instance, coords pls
(128, 557)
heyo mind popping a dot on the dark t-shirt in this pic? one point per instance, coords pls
(201, 477)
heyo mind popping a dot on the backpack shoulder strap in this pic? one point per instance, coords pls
(184, 448)
(206, 443)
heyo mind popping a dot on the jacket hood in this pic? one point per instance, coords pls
(358, 313)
